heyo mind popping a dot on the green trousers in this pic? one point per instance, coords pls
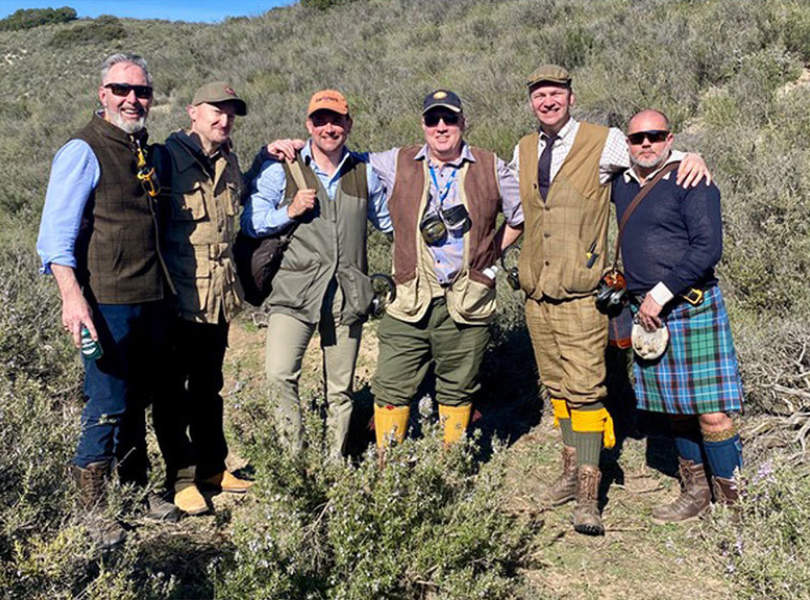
(406, 351)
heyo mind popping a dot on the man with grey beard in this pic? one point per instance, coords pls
(99, 238)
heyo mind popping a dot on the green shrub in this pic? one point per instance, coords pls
(105, 28)
(28, 18)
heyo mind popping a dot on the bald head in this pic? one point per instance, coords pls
(648, 115)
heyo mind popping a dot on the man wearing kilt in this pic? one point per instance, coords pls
(670, 245)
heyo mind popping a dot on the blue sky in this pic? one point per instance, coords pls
(198, 10)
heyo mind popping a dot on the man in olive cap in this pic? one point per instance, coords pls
(564, 169)
(202, 186)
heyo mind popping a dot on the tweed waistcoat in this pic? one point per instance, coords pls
(572, 222)
(471, 297)
(117, 249)
(329, 242)
(200, 230)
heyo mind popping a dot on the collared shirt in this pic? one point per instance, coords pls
(448, 256)
(660, 292)
(264, 214)
(75, 173)
(614, 158)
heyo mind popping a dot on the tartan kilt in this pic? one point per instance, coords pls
(698, 373)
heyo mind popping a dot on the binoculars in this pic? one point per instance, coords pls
(611, 293)
(435, 225)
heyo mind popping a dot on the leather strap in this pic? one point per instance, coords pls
(636, 201)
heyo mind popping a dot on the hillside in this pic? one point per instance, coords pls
(732, 76)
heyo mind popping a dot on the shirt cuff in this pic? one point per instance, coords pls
(661, 294)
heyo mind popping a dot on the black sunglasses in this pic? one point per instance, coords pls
(144, 92)
(654, 135)
(449, 118)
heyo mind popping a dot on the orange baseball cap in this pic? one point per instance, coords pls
(328, 100)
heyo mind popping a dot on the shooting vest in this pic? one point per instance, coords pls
(329, 242)
(117, 248)
(471, 295)
(200, 230)
(560, 232)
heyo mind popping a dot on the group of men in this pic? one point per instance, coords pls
(151, 277)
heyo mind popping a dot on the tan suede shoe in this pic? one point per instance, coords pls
(227, 482)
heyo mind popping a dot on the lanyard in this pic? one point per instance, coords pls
(442, 193)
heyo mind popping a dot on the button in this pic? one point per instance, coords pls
(546, 235)
(546, 263)
(546, 208)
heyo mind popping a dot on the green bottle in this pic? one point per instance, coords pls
(91, 349)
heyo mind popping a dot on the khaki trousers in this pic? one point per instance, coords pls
(569, 339)
(287, 341)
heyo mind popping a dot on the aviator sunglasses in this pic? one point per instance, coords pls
(432, 118)
(144, 92)
(654, 135)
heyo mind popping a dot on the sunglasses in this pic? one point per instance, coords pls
(432, 118)
(144, 92)
(654, 135)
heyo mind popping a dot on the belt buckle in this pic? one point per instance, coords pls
(694, 296)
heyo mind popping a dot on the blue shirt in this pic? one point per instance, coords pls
(74, 175)
(448, 255)
(264, 214)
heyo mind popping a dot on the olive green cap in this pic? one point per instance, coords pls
(550, 73)
(216, 92)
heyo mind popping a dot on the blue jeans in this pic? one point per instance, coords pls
(119, 385)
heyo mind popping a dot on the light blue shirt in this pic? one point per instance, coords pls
(74, 175)
(264, 214)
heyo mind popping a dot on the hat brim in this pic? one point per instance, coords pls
(455, 109)
(240, 108)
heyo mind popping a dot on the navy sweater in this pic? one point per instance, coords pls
(674, 235)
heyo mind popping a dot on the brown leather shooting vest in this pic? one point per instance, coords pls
(329, 242)
(560, 233)
(201, 227)
(117, 249)
(471, 295)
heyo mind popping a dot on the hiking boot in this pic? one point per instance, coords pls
(92, 482)
(186, 495)
(159, 509)
(725, 491)
(586, 513)
(226, 482)
(695, 497)
(564, 489)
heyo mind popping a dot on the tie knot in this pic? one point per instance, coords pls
(549, 139)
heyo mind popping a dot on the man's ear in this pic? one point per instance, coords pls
(192, 112)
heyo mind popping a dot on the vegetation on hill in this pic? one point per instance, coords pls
(26, 18)
(732, 76)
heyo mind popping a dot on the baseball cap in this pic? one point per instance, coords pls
(328, 100)
(219, 91)
(444, 98)
(550, 73)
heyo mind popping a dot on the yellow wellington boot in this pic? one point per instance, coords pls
(455, 419)
(186, 495)
(390, 423)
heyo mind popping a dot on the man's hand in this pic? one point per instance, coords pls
(284, 149)
(75, 310)
(648, 314)
(303, 201)
(691, 170)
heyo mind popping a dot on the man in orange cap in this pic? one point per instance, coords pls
(322, 282)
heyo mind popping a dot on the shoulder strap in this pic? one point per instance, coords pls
(298, 178)
(636, 201)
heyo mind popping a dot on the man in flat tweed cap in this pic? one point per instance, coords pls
(564, 169)
(670, 245)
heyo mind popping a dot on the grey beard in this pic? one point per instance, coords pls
(129, 127)
(649, 164)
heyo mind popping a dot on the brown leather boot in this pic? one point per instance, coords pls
(695, 497)
(564, 489)
(586, 513)
(92, 482)
(725, 490)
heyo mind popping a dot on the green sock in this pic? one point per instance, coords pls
(567, 432)
(589, 446)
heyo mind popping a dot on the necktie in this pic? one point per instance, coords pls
(544, 166)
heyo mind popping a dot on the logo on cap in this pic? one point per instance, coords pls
(440, 95)
(229, 91)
